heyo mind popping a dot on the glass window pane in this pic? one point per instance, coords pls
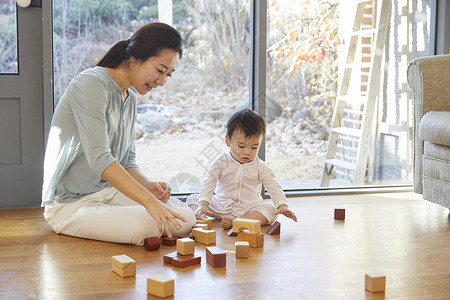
(181, 126)
(308, 55)
(8, 41)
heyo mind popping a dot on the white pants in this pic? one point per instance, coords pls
(109, 215)
(265, 208)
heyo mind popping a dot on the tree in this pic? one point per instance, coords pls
(310, 34)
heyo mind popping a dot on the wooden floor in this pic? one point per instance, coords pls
(398, 234)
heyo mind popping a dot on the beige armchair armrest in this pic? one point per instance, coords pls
(429, 80)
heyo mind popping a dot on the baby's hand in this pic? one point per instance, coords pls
(202, 210)
(284, 210)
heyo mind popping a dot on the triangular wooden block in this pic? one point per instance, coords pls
(274, 229)
(231, 232)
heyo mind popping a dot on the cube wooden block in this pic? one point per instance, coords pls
(185, 246)
(181, 261)
(375, 283)
(215, 257)
(339, 214)
(274, 229)
(201, 226)
(241, 249)
(202, 236)
(253, 226)
(206, 221)
(169, 241)
(123, 265)
(254, 240)
(152, 243)
(161, 286)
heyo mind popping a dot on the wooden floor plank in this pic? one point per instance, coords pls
(397, 234)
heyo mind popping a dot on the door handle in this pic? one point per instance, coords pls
(29, 3)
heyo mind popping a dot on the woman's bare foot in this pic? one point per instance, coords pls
(227, 222)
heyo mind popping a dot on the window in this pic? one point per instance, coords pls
(8, 42)
(182, 125)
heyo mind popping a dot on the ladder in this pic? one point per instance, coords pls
(368, 99)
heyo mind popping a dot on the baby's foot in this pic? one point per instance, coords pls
(227, 222)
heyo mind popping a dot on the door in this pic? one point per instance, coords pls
(23, 110)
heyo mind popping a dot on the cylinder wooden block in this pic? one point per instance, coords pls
(152, 243)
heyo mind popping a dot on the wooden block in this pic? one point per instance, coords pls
(181, 261)
(124, 265)
(339, 214)
(185, 246)
(169, 241)
(206, 221)
(241, 249)
(152, 243)
(201, 226)
(231, 232)
(375, 283)
(253, 226)
(187, 236)
(274, 229)
(160, 286)
(254, 240)
(204, 236)
(215, 257)
(169, 257)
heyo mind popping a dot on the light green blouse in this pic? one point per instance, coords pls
(92, 127)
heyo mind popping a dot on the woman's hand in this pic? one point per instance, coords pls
(163, 215)
(160, 190)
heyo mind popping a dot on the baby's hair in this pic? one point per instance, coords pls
(248, 121)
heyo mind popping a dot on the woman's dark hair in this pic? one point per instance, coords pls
(248, 121)
(147, 41)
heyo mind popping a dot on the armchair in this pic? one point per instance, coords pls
(429, 80)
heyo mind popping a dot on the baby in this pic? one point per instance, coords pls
(233, 184)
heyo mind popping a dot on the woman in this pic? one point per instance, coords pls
(93, 187)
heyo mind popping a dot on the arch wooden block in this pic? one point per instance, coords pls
(185, 246)
(375, 283)
(253, 226)
(161, 286)
(204, 236)
(152, 243)
(123, 265)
